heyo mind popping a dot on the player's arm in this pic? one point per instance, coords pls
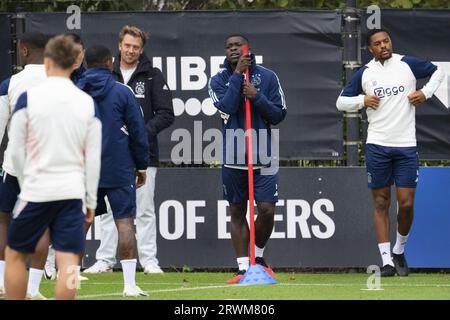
(226, 98)
(4, 107)
(134, 121)
(352, 97)
(18, 136)
(92, 160)
(273, 106)
(162, 106)
(424, 69)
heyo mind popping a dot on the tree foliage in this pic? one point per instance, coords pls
(288, 4)
(145, 5)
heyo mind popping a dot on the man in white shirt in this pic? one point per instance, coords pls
(55, 150)
(386, 87)
(31, 52)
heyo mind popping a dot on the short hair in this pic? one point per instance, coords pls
(75, 37)
(35, 40)
(62, 50)
(237, 35)
(133, 31)
(371, 32)
(97, 56)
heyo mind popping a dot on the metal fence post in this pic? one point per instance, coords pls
(351, 61)
(17, 28)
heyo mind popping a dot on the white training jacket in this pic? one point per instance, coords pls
(55, 143)
(10, 90)
(393, 123)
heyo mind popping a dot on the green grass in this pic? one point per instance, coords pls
(290, 286)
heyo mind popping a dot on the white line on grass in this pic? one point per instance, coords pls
(88, 296)
(361, 284)
(214, 285)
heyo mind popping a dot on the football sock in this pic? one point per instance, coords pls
(399, 246)
(34, 281)
(2, 273)
(259, 251)
(385, 251)
(129, 273)
(243, 263)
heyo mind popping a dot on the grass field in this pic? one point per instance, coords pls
(290, 286)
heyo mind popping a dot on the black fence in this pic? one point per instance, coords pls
(304, 48)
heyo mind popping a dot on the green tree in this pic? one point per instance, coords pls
(146, 5)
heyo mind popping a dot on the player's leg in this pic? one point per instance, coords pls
(146, 224)
(68, 271)
(264, 223)
(15, 274)
(25, 231)
(50, 265)
(37, 264)
(266, 196)
(106, 252)
(5, 219)
(406, 173)
(380, 178)
(381, 202)
(9, 189)
(235, 190)
(240, 237)
(68, 238)
(405, 216)
(128, 254)
(127, 239)
(123, 205)
(239, 230)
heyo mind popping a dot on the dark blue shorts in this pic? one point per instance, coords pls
(65, 218)
(235, 186)
(9, 192)
(389, 165)
(122, 201)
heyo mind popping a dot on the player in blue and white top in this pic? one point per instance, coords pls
(55, 150)
(31, 53)
(386, 87)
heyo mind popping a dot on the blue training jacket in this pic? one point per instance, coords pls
(268, 108)
(124, 138)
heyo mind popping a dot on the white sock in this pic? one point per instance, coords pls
(2, 274)
(243, 263)
(129, 273)
(385, 251)
(399, 247)
(259, 251)
(51, 256)
(34, 281)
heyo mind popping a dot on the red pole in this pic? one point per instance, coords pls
(248, 139)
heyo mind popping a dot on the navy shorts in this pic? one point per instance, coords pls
(9, 192)
(122, 201)
(235, 186)
(389, 165)
(64, 218)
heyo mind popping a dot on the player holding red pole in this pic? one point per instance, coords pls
(228, 90)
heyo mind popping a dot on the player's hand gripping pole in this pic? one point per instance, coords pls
(255, 273)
